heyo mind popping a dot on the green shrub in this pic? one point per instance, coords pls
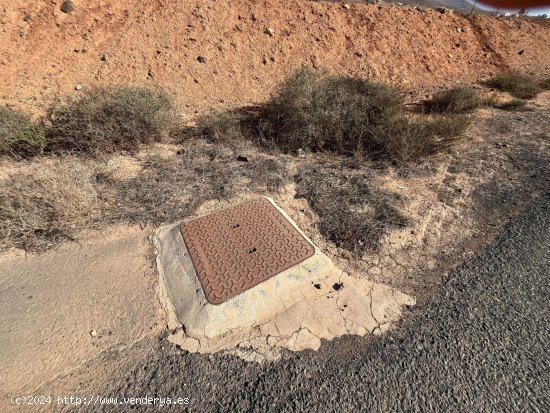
(519, 85)
(19, 137)
(318, 112)
(110, 119)
(455, 100)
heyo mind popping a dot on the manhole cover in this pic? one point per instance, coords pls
(237, 248)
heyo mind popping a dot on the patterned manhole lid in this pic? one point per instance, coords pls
(237, 248)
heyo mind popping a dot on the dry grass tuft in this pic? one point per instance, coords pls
(456, 100)
(47, 204)
(109, 119)
(354, 214)
(218, 127)
(514, 104)
(19, 137)
(53, 200)
(519, 85)
(169, 189)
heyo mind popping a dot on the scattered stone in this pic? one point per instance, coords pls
(105, 57)
(337, 286)
(318, 286)
(270, 32)
(93, 333)
(67, 7)
(78, 87)
(241, 158)
(346, 6)
(521, 52)
(27, 18)
(201, 59)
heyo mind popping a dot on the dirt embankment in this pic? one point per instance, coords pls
(247, 47)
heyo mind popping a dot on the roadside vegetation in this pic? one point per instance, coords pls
(20, 138)
(75, 182)
(519, 85)
(314, 111)
(109, 119)
(354, 214)
(456, 100)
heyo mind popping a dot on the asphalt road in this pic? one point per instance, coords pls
(479, 345)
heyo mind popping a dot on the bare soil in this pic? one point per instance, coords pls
(247, 48)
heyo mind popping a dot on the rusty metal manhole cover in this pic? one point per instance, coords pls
(237, 248)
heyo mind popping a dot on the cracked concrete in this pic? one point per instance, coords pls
(293, 310)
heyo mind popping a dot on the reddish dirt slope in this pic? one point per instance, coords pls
(158, 42)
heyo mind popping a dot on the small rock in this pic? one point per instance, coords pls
(27, 18)
(78, 87)
(93, 333)
(337, 286)
(346, 6)
(270, 32)
(201, 59)
(521, 52)
(241, 158)
(105, 57)
(67, 7)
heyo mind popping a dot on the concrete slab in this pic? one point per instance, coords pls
(295, 309)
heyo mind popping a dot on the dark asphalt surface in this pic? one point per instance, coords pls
(481, 344)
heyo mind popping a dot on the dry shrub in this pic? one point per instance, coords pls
(168, 189)
(109, 119)
(53, 200)
(218, 127)
(354, 214)
(456, 100)
(315, 111)
(48, 203)
(519, 85)
(545, 83)
(413, 139)
(514, 104)
(318, 112)
(19, 137)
